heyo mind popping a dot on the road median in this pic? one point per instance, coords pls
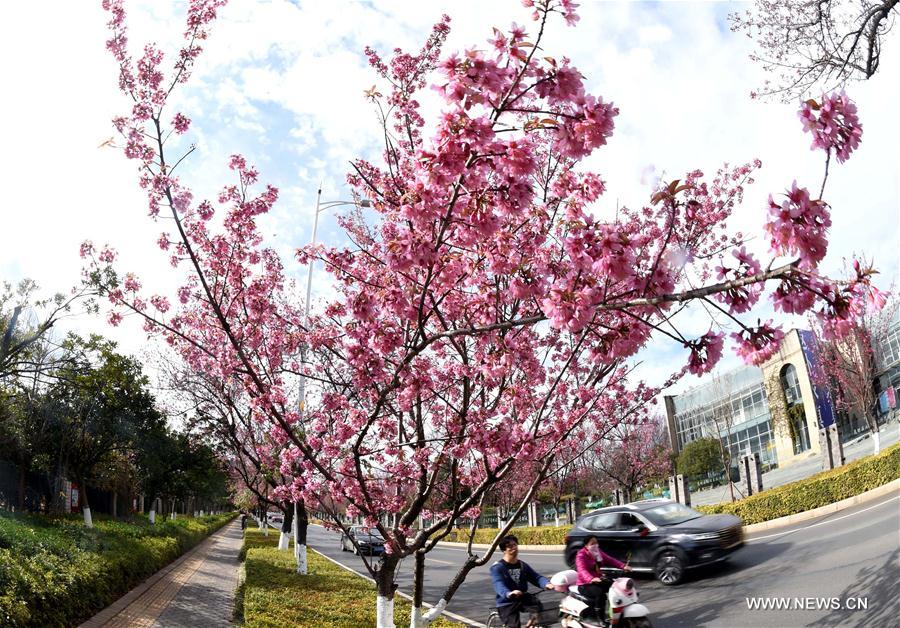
(272, 594)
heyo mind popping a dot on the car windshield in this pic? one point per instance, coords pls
(367, 532)
(670, 514)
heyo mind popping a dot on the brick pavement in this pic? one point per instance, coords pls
(195, 590)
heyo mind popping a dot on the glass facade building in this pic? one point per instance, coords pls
(888, 363)
(733, 407)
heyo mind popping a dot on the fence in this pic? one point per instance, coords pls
(45, 493)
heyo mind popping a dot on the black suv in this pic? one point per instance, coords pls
(658, 536)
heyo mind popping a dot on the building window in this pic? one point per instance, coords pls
(890, 350)
(796, 414)
(791, 384)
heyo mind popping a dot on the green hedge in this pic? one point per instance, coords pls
(273, 595)
(818, 490)
(541, 535)
(56, 572)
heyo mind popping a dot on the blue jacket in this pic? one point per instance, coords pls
(508, 578)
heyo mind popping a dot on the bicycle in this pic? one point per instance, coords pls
(539, 617)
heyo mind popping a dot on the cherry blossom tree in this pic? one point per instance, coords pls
(848, 366)
(486, 309)
(816, 44)
(633, 456)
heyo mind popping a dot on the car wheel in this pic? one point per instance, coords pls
(670, 567)
(636, 622)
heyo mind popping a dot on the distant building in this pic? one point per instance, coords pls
(887, 355)
(774, 410)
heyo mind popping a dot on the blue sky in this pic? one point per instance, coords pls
(282, 82)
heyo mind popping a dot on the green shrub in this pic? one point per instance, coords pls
(56, 572)
(541, 535)
(274, 595)
(818, 490)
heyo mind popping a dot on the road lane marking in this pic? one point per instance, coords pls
(821, 523)
(435, 560)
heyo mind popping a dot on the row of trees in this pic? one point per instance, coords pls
(76, 408)
(486, 308)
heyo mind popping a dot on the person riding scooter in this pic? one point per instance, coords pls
(591, 583)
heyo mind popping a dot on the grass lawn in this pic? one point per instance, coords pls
(273, 595)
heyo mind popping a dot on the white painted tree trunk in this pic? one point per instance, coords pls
(88, 522)
(302, 567)
(556, 517)
(384, 612)
(173, 515)
(876, 441)
(284, 541)
(416, 620)
(430, 616)
(152, 516)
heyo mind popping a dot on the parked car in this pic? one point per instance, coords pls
(658, 536)
(368, 541)
(276, 517)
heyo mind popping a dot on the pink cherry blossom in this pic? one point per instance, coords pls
(833, 124)
(757, 344)
(799, 226)
(705, 352)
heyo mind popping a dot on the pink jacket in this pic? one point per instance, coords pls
(588, 567)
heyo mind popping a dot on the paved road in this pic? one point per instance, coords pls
(851, 554)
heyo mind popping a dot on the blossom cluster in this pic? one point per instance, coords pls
(833, 123)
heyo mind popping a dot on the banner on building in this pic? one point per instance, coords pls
(821, 394)
(887, 400)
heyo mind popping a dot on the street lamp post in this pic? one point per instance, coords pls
(300, 550)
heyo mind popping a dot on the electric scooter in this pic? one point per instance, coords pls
(576, 612)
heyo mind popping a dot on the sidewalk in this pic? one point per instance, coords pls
(197, 589)
(853, 449)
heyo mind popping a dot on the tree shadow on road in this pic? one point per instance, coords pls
(726, 587)
(877, 584)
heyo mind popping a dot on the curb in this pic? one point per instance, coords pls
(451, 615)
(884, 489)
(781, 522)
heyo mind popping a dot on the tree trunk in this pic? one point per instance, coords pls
(301, 523)
(284, 541)
(876, 439)
(21, 496)
(416, 620)
(458, 579)
(385, 587)
(85, 506)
